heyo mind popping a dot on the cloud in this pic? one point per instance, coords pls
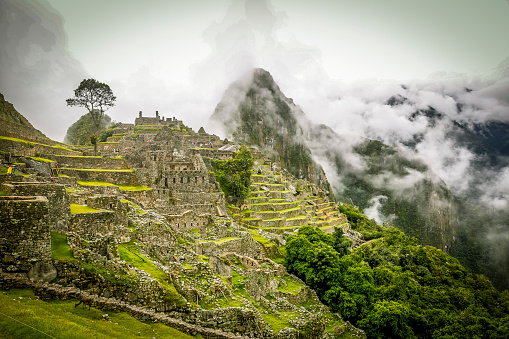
(373, 212)
(37, 73)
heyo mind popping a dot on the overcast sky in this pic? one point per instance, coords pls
(178, 56)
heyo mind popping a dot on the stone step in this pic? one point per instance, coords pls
(257, 200)
(264, 206)
(259, 178)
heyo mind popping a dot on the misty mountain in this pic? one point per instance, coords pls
(79, 132)
(12, 122)
(389, 182)
(255, 112)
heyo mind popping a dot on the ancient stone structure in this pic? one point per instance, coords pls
(24, 233)
(58, 207)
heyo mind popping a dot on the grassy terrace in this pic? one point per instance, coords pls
(130, 254)
(60, 250)
(34, 143)
(290, 287)
(300, 217)
(99, 170)
(42, 159)
(35, 318)
(261, 239)
(120, 187)
(221, 241)
(75, 209)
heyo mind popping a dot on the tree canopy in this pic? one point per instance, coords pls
(234, 175)
(96, 97)
(392, 287)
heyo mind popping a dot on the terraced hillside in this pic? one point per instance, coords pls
(145, 229)
(278, 203)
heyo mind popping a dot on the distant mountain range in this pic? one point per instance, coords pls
(391, 181)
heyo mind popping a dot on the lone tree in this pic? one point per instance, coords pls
(96, 97)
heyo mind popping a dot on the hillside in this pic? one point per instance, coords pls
(79, 132)
(391, 182)
(210, 238)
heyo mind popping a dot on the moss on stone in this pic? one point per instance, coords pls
(76, 209)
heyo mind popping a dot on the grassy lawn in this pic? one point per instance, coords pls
(59, 248)
(60, 319)
(75, 208)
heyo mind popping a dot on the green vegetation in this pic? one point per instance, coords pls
(32, 144)
(100, 170)
(60, 319)
(75, 208)
(79, 132)
(130, 253)
(121, 187)
(234, 175)
(42, 159)
(261, 239)
(392, 287)
(60, 250)
(96, 97)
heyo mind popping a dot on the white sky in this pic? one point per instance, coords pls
(394, 39)
(178, 56)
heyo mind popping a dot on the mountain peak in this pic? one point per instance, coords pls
(254, 111)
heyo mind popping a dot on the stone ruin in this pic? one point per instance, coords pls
(153, 185)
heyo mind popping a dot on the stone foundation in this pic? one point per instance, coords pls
(24, 233)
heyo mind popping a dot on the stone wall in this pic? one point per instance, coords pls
(59, 210)
(197, 208)
(86, 162)
(212, 153)
(188, 220)
(24, 232)
(54, 291)
(96, 224)
(245, 246)
(111, 203)
(32, 149)
(190, 181)
(114, 177)
(198, 198)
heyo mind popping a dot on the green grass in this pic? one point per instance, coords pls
(250, 218)
(275, 322)
(139, 210)
(300, 217)
(290, 209)
(73, 190)
(291, 286)
(81, 156)
(134, 188)
(261, 239)
(220, 241)
(130, 254)
(32, 144)
(42, 159)
(100, 170)
(75, 208)
(120, 187)
(63, 176)
(59, 248)
(60, 319)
